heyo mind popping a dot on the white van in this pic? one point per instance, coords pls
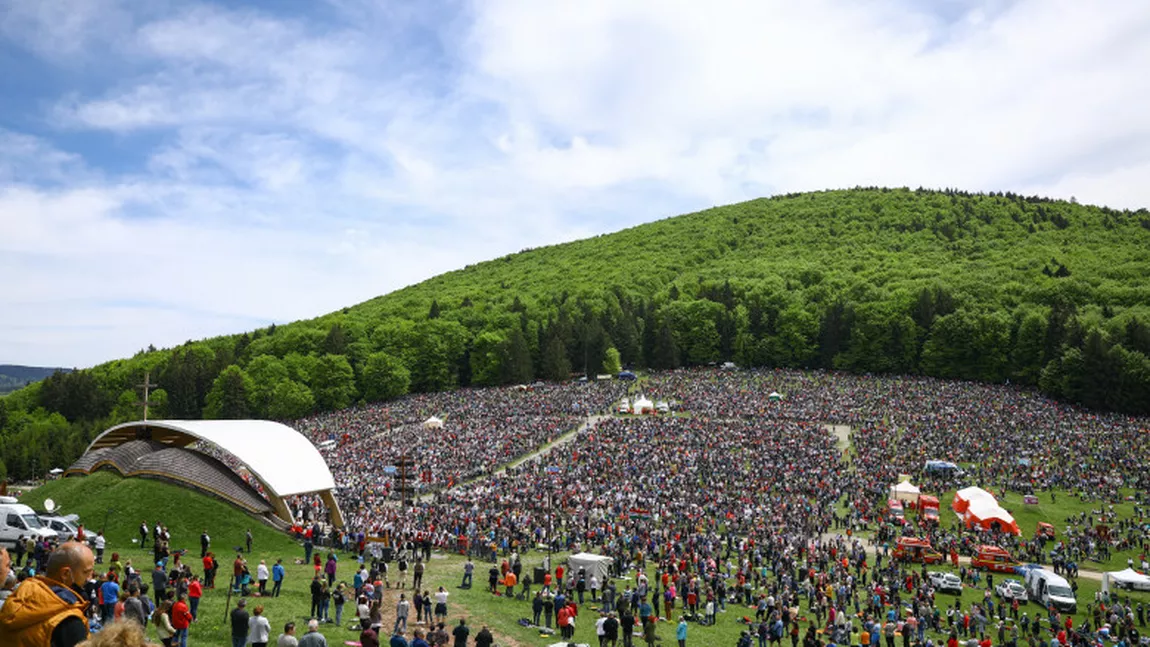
(16, 520)
(1049, 589)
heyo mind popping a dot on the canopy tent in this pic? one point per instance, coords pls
(964, 497)
(591, 563)
(433, 423)
(775, 396)
(905, 491)
(1128, 579)
(643, 405)
(988, 515)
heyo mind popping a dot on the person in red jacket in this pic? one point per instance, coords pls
(564, 621)
(559, 576)
(195, 592)
(181, 620)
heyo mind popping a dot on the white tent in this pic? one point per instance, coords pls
(591, 563)
(904, 492)
(1128, 579)
(433, 423)
(643, 405)
(775, 396)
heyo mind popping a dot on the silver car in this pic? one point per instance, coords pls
(65, 527)
(1012, 590)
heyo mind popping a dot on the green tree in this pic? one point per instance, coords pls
(487, 358)
(612, 363)
(336, 341)
(517, 365)
(1026, 355)
(436, 354)
(266, 371)
(301, 368)
(187, 379)
(126, 409)
(384, 378)
(229, 397)
(290, 401)
(556, 366)
(333, 383)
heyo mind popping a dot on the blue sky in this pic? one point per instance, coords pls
(172, 170)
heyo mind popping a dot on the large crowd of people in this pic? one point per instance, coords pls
(740, 494)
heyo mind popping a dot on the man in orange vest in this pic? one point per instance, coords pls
(49, 609)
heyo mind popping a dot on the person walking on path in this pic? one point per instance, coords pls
(401, 610)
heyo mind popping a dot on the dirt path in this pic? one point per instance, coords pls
(458, 610)
(555, 444)
(563, 439)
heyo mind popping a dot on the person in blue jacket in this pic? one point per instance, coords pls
(277, 577)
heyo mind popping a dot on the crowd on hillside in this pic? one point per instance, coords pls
(740, 498)
(482, 429)
(730, 452)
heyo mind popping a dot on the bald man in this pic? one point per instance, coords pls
(49, 609)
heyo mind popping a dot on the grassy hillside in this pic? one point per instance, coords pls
(124, 503)
(1044, 293)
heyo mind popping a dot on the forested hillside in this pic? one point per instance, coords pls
(13, 376)
(983, 287)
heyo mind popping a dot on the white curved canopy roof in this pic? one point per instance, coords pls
(280, 457)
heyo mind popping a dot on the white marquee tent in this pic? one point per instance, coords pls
(1128, 579)
(905, 491)
(433, 423)
(643, 405)
(591, 563)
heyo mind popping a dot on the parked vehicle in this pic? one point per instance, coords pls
(993, 558)
(914, 549)
(16, 520)
(1048, 589)
(946, 582)
(1011, 590)
(895, 512)
(943, 468)
(1045, 530)
(65, 526)
(930, 515)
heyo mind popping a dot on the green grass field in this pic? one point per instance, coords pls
(188, 513)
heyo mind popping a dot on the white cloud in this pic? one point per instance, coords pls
(288, 165)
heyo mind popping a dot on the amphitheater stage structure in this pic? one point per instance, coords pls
(280, 460)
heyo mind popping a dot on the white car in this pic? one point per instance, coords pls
(946, 582)
(1012, 590)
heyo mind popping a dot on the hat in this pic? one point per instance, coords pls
(242, 603)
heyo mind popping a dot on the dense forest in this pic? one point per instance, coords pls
(996, 288)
